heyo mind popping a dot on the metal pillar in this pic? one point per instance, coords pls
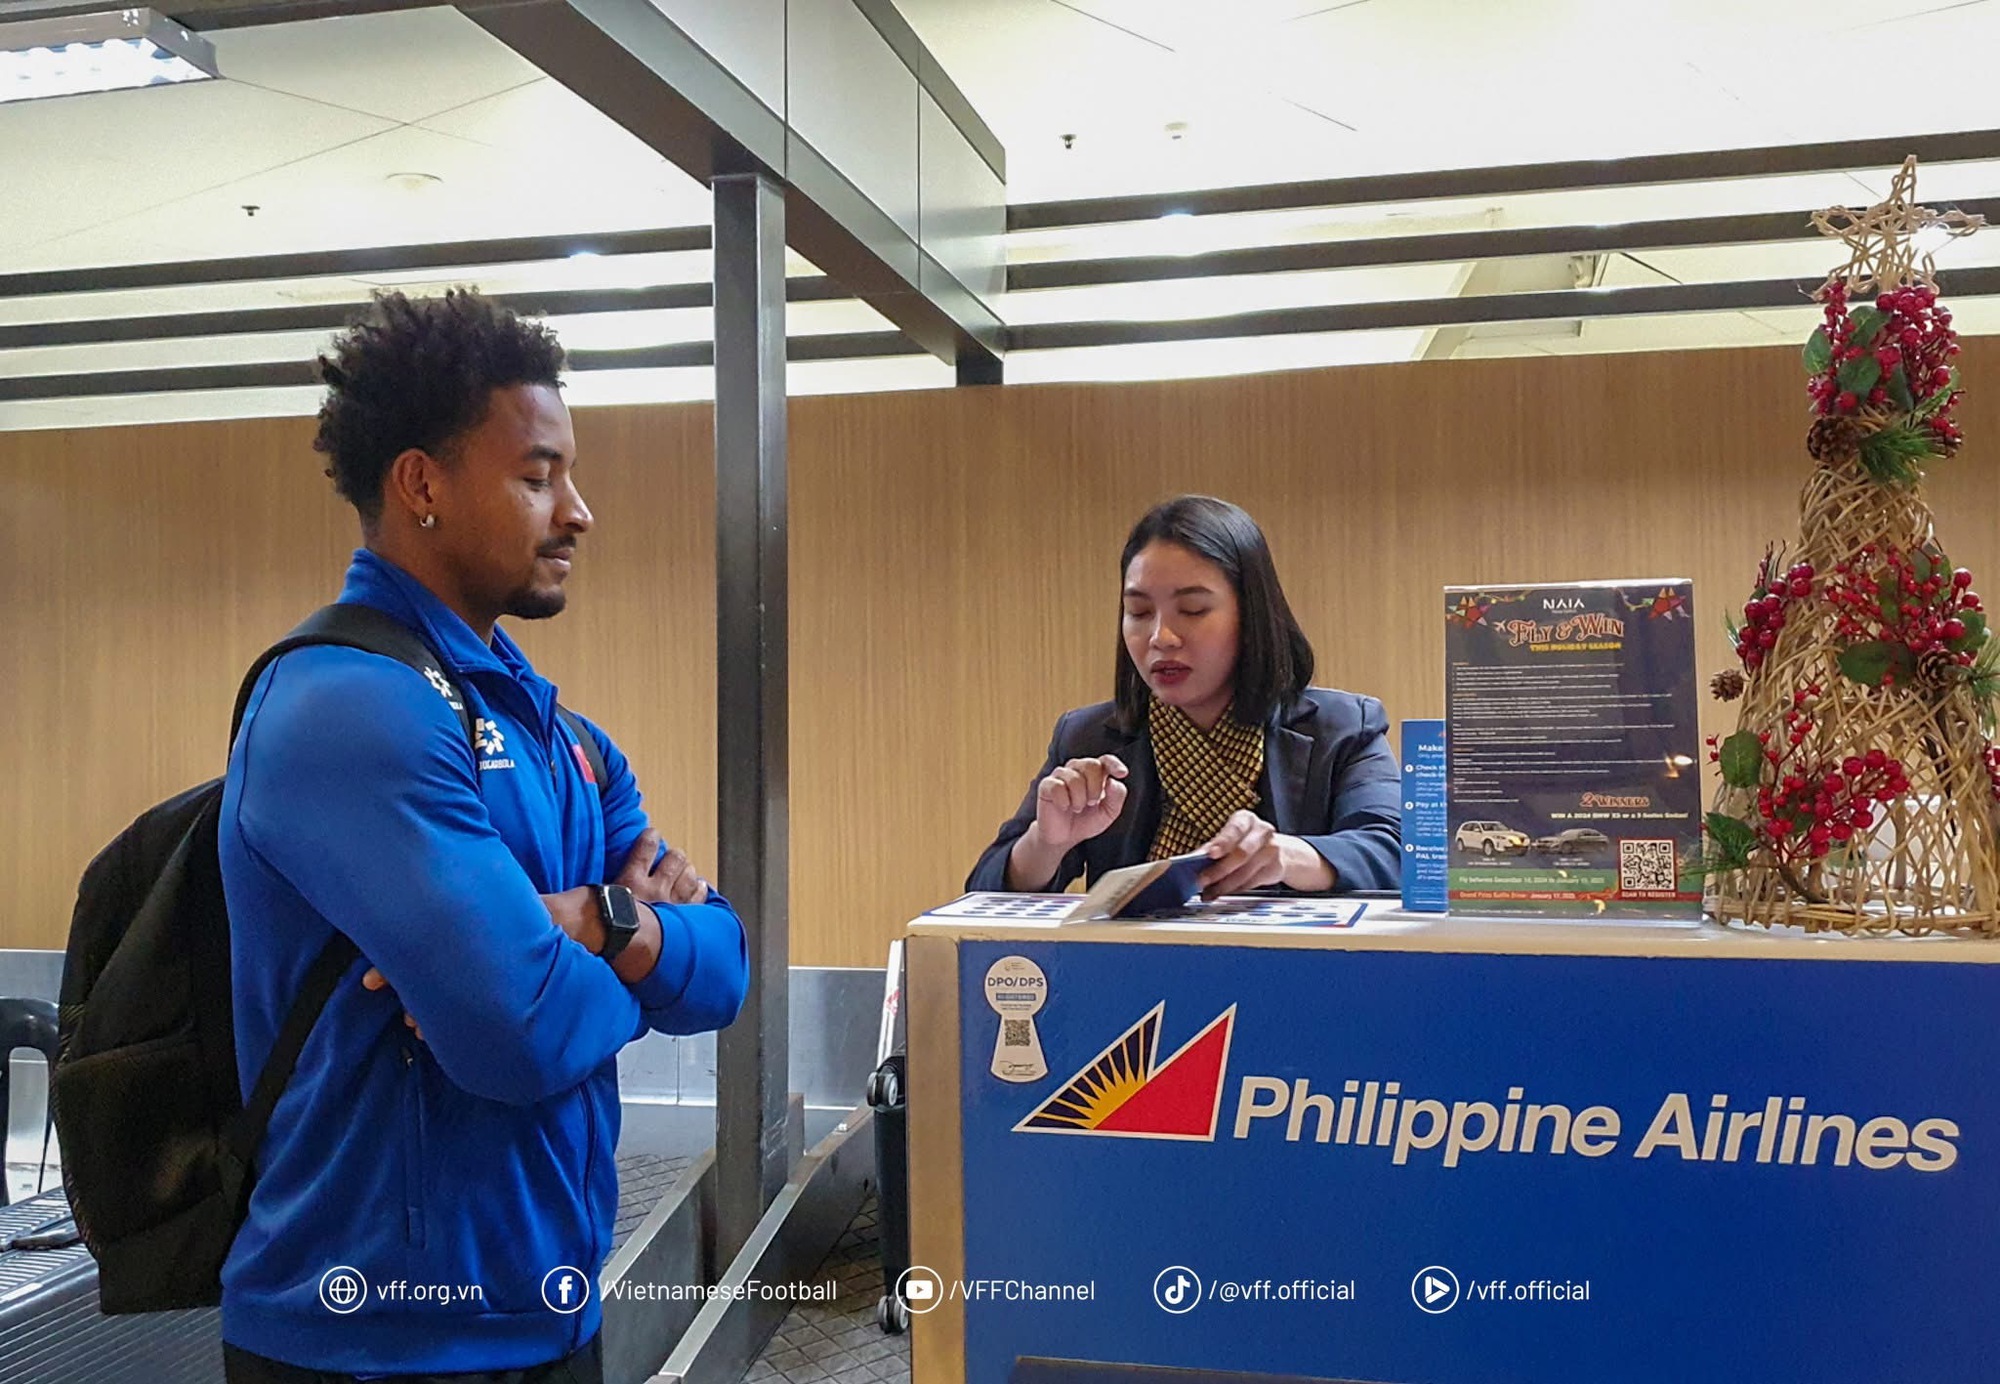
(752, 1154)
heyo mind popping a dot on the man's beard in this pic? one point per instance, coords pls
(531, 604)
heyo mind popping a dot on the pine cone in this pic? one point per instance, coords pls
(1939, 668)
(1727, 685)
(1834, 438)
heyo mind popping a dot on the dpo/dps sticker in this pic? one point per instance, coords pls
(1017, 989)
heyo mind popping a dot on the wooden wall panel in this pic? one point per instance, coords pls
(954, 581)
(635, 650)
(148, 566)
(143, 568)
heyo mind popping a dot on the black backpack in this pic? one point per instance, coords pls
(157, 1142)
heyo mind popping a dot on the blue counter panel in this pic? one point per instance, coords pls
(1849, 1232)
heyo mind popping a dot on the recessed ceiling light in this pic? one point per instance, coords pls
(83, 53)
(414, 182)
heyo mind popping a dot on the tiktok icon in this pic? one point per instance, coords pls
(1177, 1289)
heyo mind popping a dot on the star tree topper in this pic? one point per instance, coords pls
(1882, 242)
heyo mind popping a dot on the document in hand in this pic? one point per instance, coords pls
(1139, 891)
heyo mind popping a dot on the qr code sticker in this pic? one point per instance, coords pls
(1647, 869)
(1014, 1033)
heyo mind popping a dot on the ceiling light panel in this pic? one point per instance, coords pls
(1940, 184)
(1173, 300)
(204, 405)
(79, 54)
(174, 354)
(1172, 360)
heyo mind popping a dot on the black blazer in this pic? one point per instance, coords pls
(1329, 777)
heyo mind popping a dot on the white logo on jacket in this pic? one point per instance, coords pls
(491, 742)
(444, 688)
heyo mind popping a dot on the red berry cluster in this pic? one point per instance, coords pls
(1928, 613)
(1807, 807)
(1764, 612)
(1913, 337)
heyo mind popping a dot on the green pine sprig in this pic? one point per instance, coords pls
(1896, 455)
(1983, 677)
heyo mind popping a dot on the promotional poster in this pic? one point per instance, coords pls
(1573, 772)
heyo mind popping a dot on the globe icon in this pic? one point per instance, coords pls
(342, 1289)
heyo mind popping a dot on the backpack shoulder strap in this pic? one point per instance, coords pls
(322, 979)
(356, 627)
(378, 632)
(585, 741)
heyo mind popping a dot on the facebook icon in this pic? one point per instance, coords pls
(565, 1289)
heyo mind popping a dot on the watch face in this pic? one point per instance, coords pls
(620, 917)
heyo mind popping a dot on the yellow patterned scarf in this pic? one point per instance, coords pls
(1205, 775)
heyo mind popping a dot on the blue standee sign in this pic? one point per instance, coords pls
(1466, 1169)
(1426, 842)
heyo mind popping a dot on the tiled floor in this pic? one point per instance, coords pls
(838, 1342)
(643, 1178)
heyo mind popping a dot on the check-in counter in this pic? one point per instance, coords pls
(1361, 1144)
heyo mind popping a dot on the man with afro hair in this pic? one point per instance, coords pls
(436, 1191)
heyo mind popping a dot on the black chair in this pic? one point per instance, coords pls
(25, 1023)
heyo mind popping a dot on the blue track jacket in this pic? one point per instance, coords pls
(477, 1161)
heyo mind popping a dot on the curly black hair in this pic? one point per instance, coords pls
(419, 372)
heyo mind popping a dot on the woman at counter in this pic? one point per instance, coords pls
(1214, 741)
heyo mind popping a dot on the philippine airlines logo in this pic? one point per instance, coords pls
(1127, 1092)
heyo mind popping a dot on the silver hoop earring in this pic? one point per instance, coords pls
(430, 521)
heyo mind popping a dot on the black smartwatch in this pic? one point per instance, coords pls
(620, 916)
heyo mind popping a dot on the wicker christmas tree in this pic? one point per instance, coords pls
(1859, 788)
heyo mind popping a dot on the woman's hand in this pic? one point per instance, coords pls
(1076, 802)
(1079, 801)
(1249, 853)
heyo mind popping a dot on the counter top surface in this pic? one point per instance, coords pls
(1333, 924)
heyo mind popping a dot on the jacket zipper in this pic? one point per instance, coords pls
(589, 1215)
(413, 1152)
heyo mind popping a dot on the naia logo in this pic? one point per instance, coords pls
(1126, 1092)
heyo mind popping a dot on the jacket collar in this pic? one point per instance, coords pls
(373, 580)
(1288, 747)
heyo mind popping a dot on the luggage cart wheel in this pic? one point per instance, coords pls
(884, 1090)
(891, 1315)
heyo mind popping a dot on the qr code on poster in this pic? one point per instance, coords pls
(1014, 1033)
(1647, 867)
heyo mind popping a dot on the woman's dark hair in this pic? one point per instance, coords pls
(418, 372)
(1274, 661)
